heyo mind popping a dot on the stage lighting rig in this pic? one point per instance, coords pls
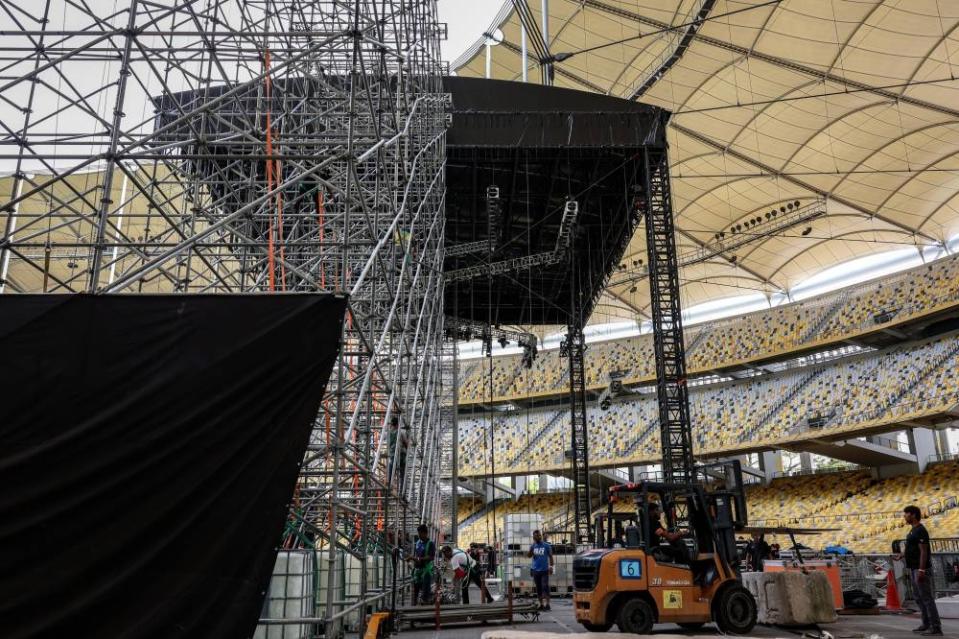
(776, 221)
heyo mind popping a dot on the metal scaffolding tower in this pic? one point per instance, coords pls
(255, 146)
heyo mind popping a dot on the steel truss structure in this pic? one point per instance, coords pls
(672, 391)
(254, 146)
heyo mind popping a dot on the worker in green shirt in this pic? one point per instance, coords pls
(424, 552)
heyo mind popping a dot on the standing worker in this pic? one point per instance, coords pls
(490, 561)
(757, 552)
(465, 571)
(541, 568)
(918, 562)
(424, 552)
(398, 443)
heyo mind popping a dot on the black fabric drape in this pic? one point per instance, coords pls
(149, 446)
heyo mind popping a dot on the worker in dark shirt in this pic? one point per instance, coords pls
(918, 563)
(757, 552)
(474, 553)
(658, 534)
(490, 561)
(398, 443)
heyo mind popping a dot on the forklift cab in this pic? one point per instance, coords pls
(619, 530)
(713, 508)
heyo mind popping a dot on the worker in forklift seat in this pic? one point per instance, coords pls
(676, 550)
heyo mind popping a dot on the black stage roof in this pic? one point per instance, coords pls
(539, 146)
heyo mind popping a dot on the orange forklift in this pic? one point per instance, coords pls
(631, 580)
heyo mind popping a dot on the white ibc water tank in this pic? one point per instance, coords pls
(290, 595)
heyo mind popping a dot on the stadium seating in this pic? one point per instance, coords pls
(826, 318)
(867, 513)
(897, 296)
(836, 396)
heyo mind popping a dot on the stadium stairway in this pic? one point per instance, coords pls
(823, 320)
(482, 511)
(924, 372)
(774, 410)
(704, 332)
(636, 443)
(537, 438)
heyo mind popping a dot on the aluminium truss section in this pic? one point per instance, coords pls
(254, 146)
(671, 388)
(494, 214)
(575, 348)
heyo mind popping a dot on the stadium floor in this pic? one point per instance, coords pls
(560, 619)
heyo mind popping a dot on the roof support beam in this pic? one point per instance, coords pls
(677, 53)
(619, 298)
(780, 62)
(559, 70)
(719, 146)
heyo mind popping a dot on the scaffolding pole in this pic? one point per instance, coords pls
(258, 146)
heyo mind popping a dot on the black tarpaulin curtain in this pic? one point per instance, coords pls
(149, 446)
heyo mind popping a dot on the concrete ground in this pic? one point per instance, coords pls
(562, 620)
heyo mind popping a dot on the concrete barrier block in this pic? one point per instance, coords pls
(948, 607)
(791, 598)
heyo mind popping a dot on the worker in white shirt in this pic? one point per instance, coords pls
(465, 571)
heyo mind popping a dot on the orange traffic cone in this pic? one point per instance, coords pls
(892, 592)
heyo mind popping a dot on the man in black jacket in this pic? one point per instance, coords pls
(757, 552)
(918, 562)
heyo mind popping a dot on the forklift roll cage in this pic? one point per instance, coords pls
(714, 506)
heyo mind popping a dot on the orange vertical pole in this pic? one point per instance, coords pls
(282, 239)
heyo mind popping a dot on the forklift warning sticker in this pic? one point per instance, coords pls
(672, 599)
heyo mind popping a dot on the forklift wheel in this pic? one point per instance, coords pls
(692, 625)
(635, 617)
(597, 627)
(736, 611)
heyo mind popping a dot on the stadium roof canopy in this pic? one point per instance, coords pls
(851, 106)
